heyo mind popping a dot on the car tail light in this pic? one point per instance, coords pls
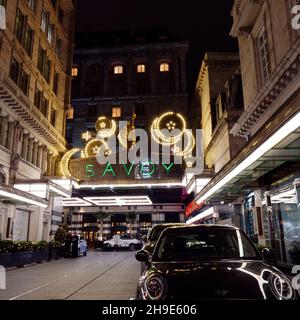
(155, 287)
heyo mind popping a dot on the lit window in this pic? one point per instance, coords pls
(74, 72)
(141, 68)
(118, 70)
(116, 112)
(70, 113)
(164, 67)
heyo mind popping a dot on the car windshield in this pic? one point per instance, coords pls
(155, 233)
(157, 230)
(207, 243)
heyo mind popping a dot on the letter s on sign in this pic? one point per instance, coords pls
(296, 279)
(296, 19)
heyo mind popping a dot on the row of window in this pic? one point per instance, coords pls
(119, 69)
(42, 104)
(25, 35)
(22, 79)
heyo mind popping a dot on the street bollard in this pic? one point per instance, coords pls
(2, 278)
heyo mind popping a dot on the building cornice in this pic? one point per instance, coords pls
(286, 74)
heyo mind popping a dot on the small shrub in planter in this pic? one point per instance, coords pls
(6, 246)
(40, 252)
(56, 250)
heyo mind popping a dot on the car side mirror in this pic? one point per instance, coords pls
(268, 255)
(144, 238)
(142, 256)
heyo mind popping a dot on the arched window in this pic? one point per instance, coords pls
(94, 80)
(164, 67)
(118, 69)
(117, 84)
(141, 68)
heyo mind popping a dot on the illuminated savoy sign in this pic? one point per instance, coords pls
(142, 171)
(120, 150)
(91, 170)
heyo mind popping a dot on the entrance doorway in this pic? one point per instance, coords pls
(118, 224)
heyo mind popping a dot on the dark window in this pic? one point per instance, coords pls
(19, 27)
(55, 83)
(3, 3)
(47, 69)
(50, 33)
(58, 47)
(44, 106)
(69, 134)
(45, 21)
(143, 217)
(53, 117)
(37, 97)
(24, 81)
(41, 59)
(31, 4)
(54, 3)
(92, 111)
(61, 15)
(172, 217)
(140, 109)
(28, 40)
(14, 70)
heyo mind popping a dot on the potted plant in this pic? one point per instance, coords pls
(6, 252)
(40, 252)
(55, 250)
(22, 253)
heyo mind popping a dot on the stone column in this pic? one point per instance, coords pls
(25, 145)
(40, 156)
(10, 135)
(35, 153)
(17, 138)
(49, 163)
(3, 130)
(44, 161)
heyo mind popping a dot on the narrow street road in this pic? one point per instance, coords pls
(98, 276)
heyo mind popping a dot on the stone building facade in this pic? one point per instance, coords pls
(35, 77)
(263, 178)
(216, 106)
(120, 73)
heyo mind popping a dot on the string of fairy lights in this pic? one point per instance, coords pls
(169, 129)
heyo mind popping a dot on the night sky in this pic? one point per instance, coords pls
(204, 23)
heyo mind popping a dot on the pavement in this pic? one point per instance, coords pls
(98, 276)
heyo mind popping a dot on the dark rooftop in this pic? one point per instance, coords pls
(125, 37)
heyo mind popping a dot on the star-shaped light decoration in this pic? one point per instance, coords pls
(102, 125)
(96, 149)
(86, 136)
(171, 125)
